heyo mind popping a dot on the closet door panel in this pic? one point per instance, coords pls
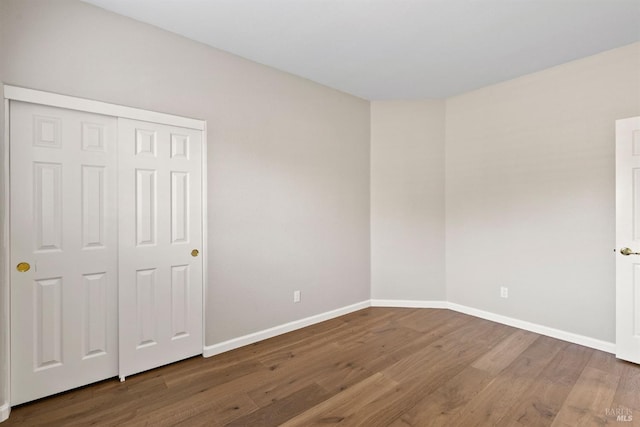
(160, 240)
(63, 223)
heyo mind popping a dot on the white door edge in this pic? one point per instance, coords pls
(626, 164)
(205, 233)
(4, 289)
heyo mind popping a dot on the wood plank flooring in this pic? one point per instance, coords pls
(375, 367)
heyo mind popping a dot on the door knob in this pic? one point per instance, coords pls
(194, 253)
(23, 266)
(627, 251)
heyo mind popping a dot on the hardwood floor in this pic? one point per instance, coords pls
(375, 367)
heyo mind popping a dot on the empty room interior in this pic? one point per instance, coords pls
(320, 212)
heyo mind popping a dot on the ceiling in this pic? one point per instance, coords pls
(398, 49)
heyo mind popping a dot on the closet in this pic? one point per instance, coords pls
(106, 240)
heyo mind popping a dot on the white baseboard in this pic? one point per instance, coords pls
(234, 343)
(605, 346)
(212, 350)
(5, 409)
(400, 303)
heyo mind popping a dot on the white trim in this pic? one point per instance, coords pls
(212, 350)
(234, 343)
(88, 105)
(205, 234)
(5, 290)
(605, 346)
(400, 303)
(5, 410)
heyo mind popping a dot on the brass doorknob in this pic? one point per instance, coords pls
(628, 251)
(194, 253)
(23, 266)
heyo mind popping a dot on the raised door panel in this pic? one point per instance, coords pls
(146, 206)
(93, 206)
(180, 207)
(95, 315)
(145, 308)
(180, 301)
(47, 313)
(47, 193)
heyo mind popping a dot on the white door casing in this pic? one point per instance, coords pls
(160, 244)
(628, 236)
(63, 214)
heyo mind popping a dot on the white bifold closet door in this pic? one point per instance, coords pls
(63, 220)
(160, 267)
(106, 230)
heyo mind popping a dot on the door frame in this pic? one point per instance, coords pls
(15, 93)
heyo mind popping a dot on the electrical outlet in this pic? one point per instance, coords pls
(296, 296)
(504, 292)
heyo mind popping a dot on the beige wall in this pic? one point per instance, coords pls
(407, 200)
(530, 192)
(288, 159)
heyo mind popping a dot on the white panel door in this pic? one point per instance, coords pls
(160, 233)
(63, 228)
(628, 239)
